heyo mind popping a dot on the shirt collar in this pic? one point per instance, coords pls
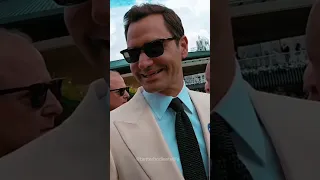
(159, 103)
(236, 108)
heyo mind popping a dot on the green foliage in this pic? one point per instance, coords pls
(132, 92)
(72, 91)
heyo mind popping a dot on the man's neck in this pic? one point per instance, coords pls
(174, 91)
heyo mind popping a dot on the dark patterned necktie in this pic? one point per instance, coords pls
(226, 164)
(190, 155)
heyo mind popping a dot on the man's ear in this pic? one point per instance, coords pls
(184, 47)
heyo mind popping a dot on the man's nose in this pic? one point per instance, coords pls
(144, 61)
(100, 12)
(52, 106)
(126, 95)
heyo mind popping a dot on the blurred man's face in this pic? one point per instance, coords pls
(161, 74)
(22, 65)
(310, 83)
(118, 93)
(207, 74)
(312, 73)
(88, 24)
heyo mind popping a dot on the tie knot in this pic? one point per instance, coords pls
(176, 105)
(218, 120)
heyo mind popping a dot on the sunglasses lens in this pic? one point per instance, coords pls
(121, 92)
(39, 92)
(55, 88)
(39, 95)
(154, 49)
(132, 55)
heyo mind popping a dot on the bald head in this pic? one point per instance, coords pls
(115, 79)
(118, 95)
(114, 73)
(21, 64)
(19, 33)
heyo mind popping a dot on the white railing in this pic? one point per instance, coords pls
(195, 79)
(291, 59)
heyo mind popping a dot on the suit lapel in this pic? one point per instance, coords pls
(204, 116)
(292, 136)
(143, 137)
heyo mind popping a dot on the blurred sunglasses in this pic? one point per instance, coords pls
(121, 91)
(152, 49)
(39, 91)
(69, 2)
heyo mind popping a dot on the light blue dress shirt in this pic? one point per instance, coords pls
(165, 117)
(251, 141)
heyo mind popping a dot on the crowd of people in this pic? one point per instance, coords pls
(165, 131)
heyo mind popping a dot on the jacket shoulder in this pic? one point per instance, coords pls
(309, 109)
(200, 94)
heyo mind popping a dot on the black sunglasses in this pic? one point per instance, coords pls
(152, 49)
(69, 2)
(121, 91)
(38, 92)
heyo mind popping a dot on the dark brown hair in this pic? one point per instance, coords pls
(171, 19)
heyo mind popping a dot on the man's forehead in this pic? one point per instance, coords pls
(116, 81)
(146, 30)
(116, 84)
(21, 64)
(116, 78)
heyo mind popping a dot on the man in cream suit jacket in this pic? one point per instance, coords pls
(144, 140)
(135, 134)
